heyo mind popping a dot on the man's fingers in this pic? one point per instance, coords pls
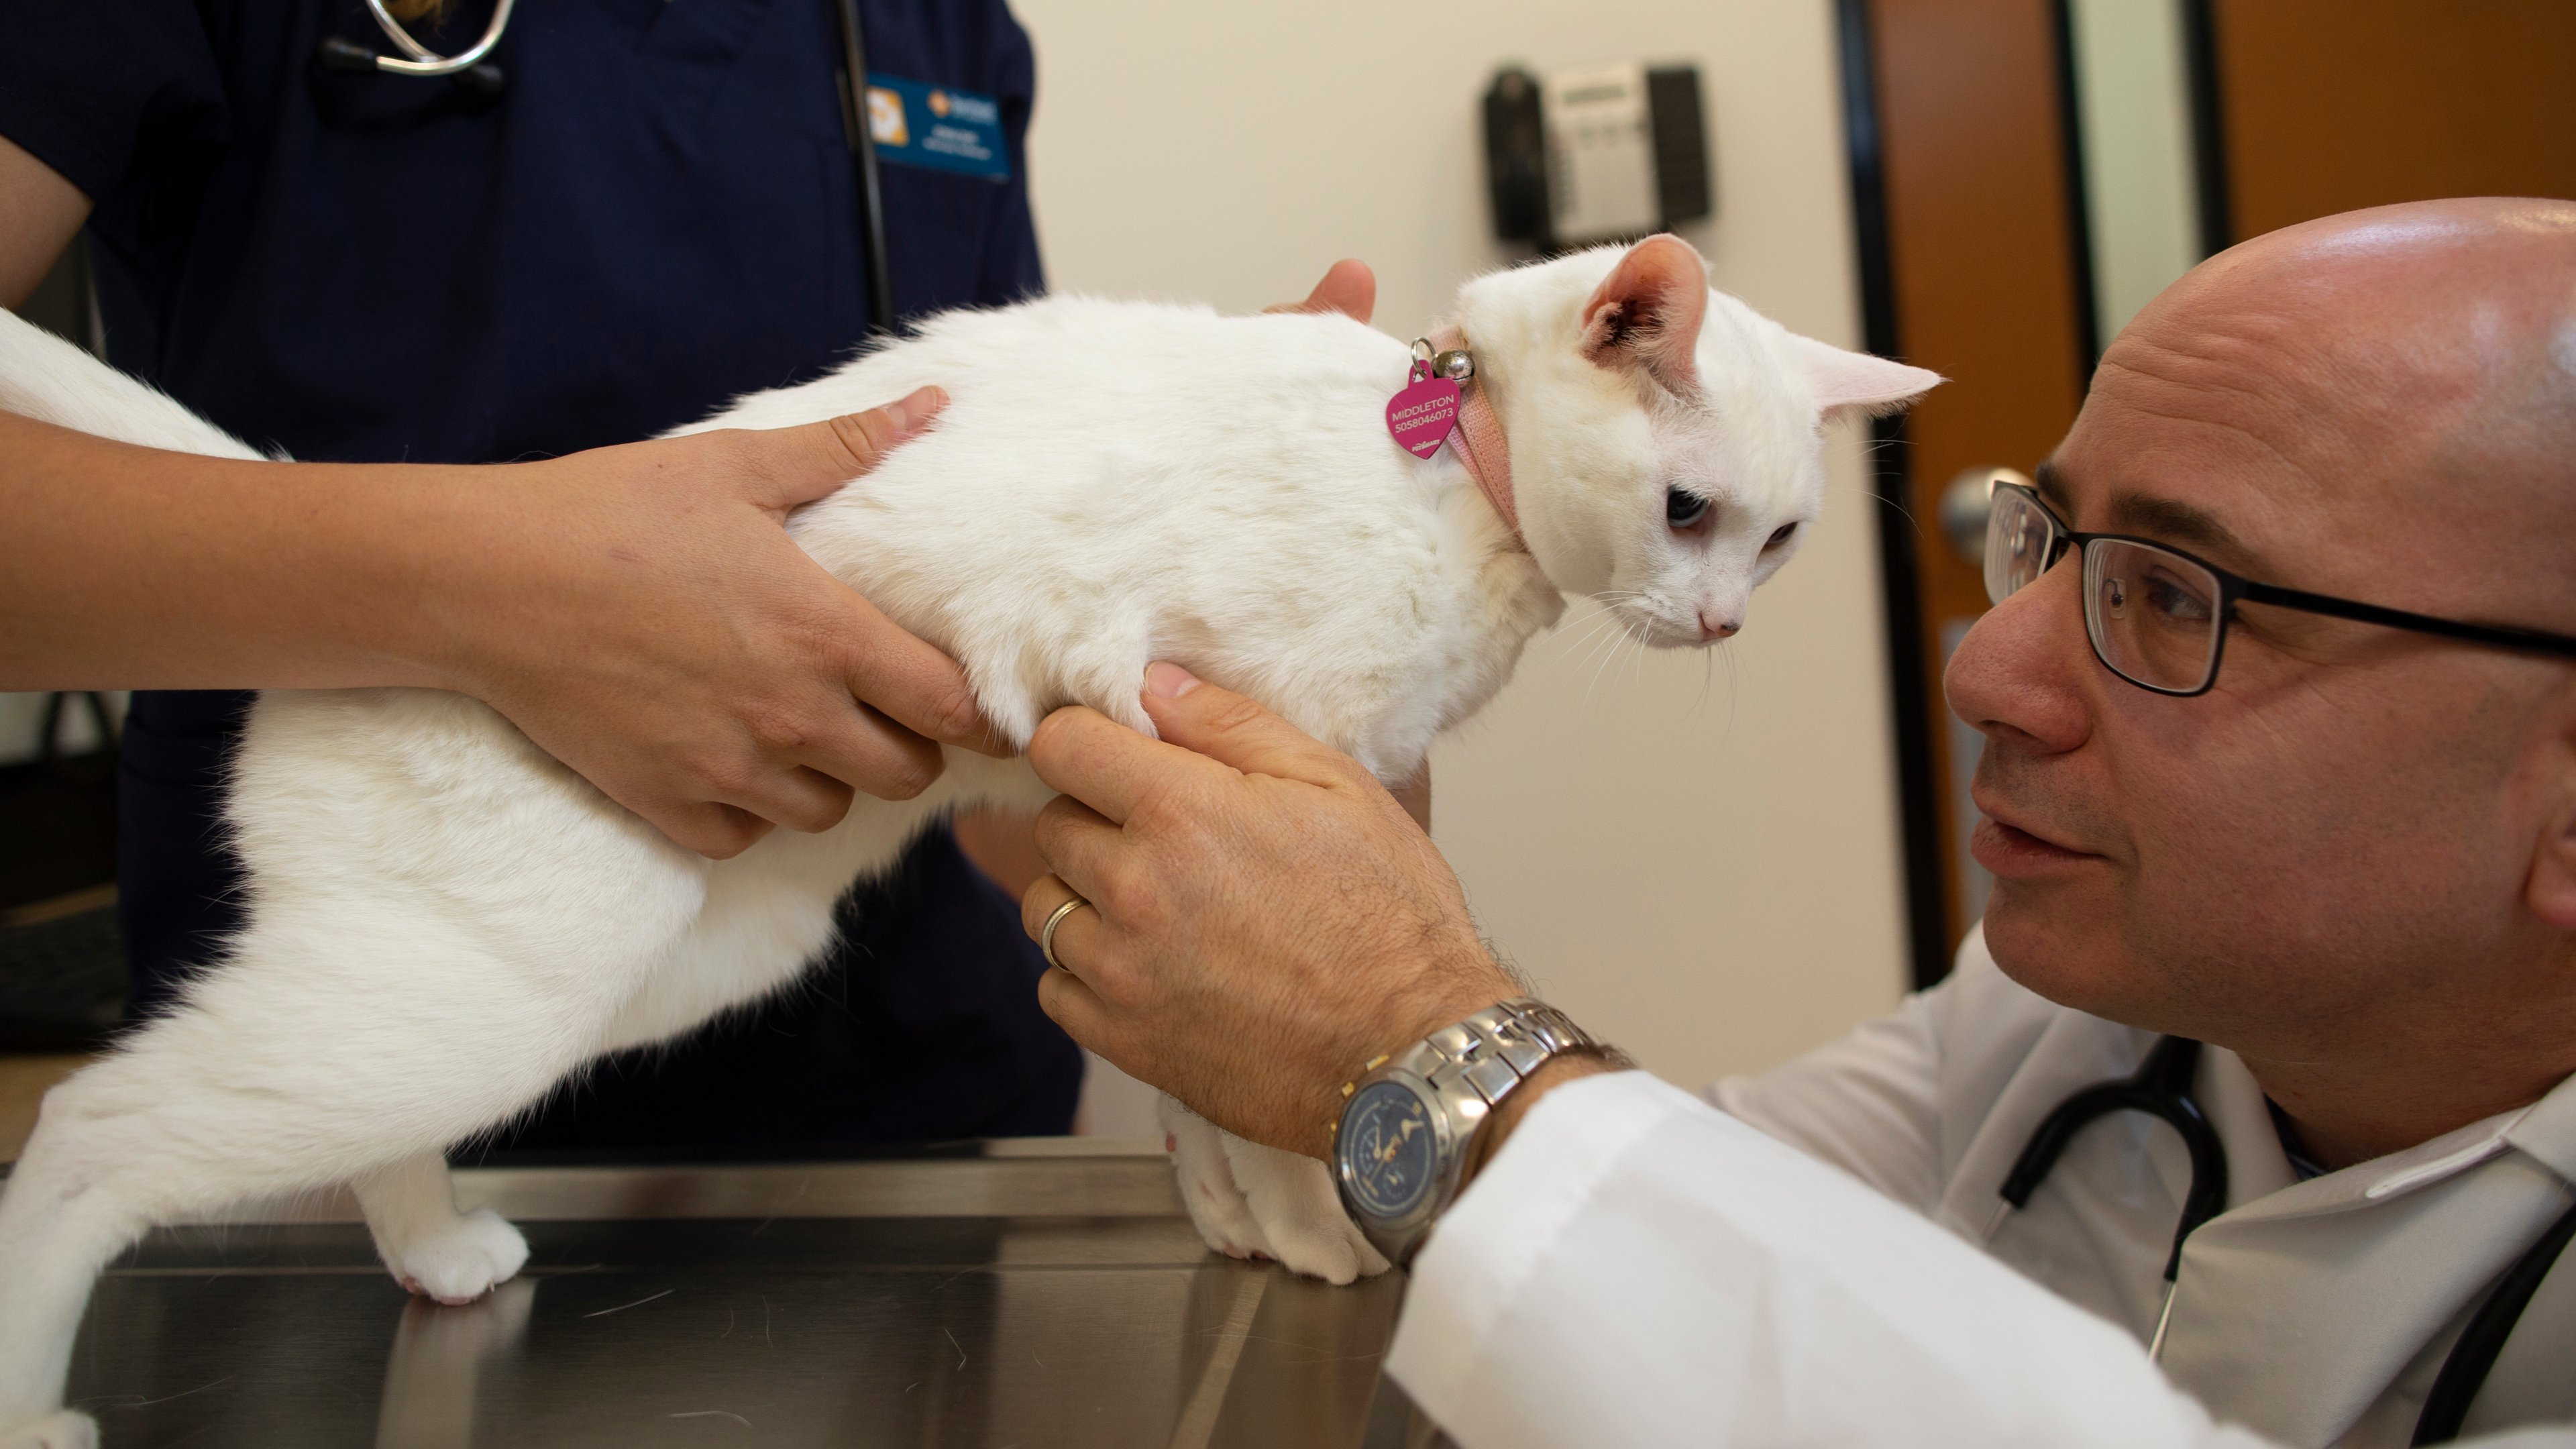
(1079, 937)
(1349, 288)
(1075, 1007)
(1102, 763)
(1229, 728)
(1110, 768)
(801, 464)
(1075, 840)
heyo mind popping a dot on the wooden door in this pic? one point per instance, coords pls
(1969, 190)
(1969, 272)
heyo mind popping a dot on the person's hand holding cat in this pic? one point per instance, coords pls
(651, 625)
(637, 611)
(1268, 917)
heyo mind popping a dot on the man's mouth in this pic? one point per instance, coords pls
(2012, 852)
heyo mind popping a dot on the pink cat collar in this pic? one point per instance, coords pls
(1479, 441)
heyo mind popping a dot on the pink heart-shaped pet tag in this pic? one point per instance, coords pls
(1422, 415)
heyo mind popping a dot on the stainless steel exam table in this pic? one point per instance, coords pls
(1041, 1292)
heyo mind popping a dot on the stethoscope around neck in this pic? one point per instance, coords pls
(2162, 1089)
(467, 65)
(469, 69)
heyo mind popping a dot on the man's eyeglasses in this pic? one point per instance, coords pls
(2157, 616)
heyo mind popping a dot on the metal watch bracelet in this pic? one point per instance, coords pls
(1458, 1074)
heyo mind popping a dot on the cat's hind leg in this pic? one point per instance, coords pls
(55, 1234)
(63, 1214)
(320, 1055)
(430, 1247)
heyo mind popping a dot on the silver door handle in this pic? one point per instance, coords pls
(1965, 505)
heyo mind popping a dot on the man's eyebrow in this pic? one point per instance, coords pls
(2146, 515)
(2173, 522)
(2050, 485)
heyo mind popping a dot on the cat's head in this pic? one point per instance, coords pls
(1666, 441)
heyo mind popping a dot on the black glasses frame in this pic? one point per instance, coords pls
(2233, 588)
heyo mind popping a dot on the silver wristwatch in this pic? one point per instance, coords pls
(1409, 1121)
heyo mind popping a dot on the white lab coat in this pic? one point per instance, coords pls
(1640, 1268)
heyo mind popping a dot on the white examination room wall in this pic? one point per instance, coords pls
(1694, 855)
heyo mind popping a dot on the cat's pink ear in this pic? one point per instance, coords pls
(1647, 313)
(1855, 384)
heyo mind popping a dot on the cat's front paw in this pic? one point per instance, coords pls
(458, 1260)
(63, 1430)
(1217, 1207)
(1291, 1197)
(1251, 1201)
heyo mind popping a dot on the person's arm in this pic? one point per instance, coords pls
(44, 212)
(638, 611)
(1641, 1268)
(1268, 916)
(1632, 1266)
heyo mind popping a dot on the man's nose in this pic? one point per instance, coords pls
(2020, 673)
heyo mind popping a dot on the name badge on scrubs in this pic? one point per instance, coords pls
(939, 128)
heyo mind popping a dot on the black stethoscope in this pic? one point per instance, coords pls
(469, 69)
(2162, 1089)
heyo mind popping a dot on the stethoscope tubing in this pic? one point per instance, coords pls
(467, 65)
(425, 61)
(2161, 1088)
(863, 145)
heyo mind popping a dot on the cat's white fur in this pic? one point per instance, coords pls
(443, 922)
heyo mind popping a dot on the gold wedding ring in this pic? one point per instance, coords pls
(1046, 933)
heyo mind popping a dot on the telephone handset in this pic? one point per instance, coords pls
(1605, 153)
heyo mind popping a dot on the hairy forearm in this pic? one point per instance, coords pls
(129, 567)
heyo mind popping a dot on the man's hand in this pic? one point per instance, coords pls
(1265, 917)
(1349, 287)
(1000, 841)
(641, 614)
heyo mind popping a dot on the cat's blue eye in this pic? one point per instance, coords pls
(1681, 509)
(1780, 535)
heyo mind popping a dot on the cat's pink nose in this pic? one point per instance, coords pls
(1712, 630)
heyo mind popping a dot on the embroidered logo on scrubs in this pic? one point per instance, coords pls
(937, 127)
(885, 118)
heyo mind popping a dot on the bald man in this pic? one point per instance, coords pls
(2279, 699)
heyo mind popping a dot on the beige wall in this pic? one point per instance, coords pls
(1694, 854)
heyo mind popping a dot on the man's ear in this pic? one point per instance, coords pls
(1648, 311)
(2551, 891)
(1855, 384)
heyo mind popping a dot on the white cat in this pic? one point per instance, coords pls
(443, 921)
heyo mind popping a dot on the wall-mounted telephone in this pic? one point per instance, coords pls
(1605, 153)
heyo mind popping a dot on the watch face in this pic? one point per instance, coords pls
(1388, 1150)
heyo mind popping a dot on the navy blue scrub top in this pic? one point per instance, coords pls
(657, 213)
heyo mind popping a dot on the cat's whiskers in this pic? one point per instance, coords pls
(1627, 635)
(1604, 648)
(1734, 692)
(1596, 629)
